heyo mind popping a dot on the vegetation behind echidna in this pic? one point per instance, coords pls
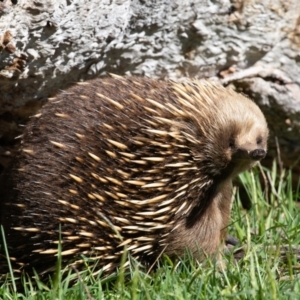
(269, 270)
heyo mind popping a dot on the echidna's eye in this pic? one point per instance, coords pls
(259, 141)
(231, 143)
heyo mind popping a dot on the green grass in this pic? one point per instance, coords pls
(270, 268)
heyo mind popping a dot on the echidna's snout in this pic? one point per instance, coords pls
(246, 154)
(257, 154)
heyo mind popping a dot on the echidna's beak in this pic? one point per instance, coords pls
(257, 154)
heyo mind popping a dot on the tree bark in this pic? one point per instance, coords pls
(47, 45)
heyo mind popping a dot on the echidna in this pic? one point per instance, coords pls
(132, 162)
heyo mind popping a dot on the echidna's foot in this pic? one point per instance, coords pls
(231, 241)
(233, 246)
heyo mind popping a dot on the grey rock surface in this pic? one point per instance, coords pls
(48, 45)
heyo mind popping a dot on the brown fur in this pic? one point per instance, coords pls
(129, 161)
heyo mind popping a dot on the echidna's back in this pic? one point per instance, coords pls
(75, 157)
